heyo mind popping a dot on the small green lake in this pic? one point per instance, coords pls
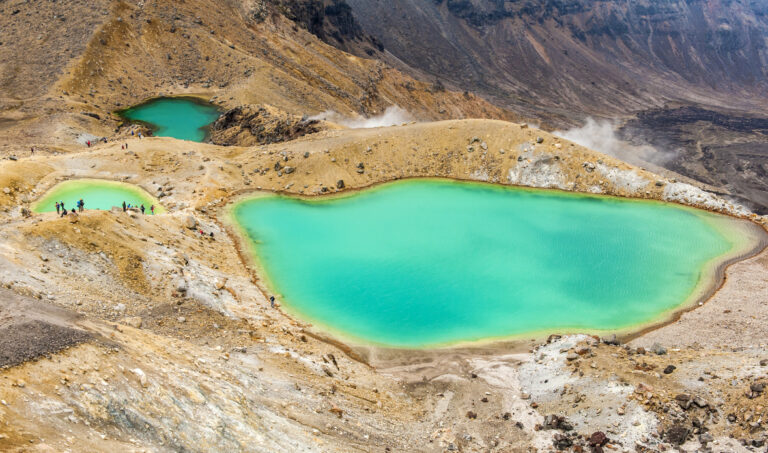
(181, 118)
(432, 262)
(96, 194)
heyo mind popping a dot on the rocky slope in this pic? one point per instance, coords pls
(560, 59)
(170, 343)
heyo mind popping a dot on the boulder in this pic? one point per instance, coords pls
(132, 321)
(340, 184)
(190, 222)
(141, 376)
(677, 434)
(562, 442)
(181, 285)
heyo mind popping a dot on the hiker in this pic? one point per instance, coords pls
(126, 145)
(211, 234)
(64, 212)
(152, 209)
(142, 209)
(272, 301)
(131, 131)
(88, 143)
(61, 203)
(124, 207)
(81, 205)
(58, 208)
(122, 146)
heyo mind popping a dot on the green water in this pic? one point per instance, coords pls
(96, 194)
(180, 118)
(429, 262)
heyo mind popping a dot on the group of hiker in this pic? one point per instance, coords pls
(80, 205)
(141, 208)
(124, 146)
(62, 211)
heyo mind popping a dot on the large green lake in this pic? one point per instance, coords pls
(182, 118)
(96, 194)
(431, 262)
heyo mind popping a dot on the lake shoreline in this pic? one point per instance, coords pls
(379, 355)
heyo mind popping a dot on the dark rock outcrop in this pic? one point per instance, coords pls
(249, 125)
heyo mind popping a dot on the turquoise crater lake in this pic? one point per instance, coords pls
(425, 263)
(97, 194)
(181, 118)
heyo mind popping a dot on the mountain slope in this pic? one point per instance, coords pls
(557, 59)
(235, 52)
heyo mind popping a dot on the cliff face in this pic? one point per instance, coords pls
(332, 21)
(565, 57)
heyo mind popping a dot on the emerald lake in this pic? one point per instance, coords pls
(96, 194)
(181, 118)
(424, 263)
